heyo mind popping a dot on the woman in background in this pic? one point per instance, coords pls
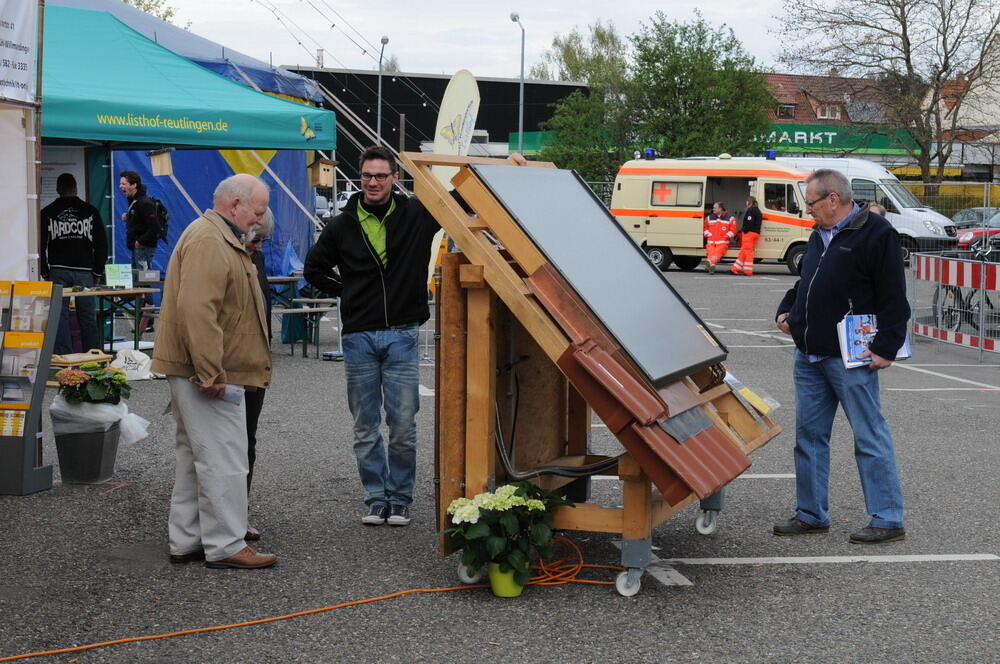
(254, 241)
(751, 233)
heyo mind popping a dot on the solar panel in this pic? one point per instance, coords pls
(581, 239)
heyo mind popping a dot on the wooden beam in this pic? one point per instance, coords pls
(586, 516)
(431, 159)
(518, 245)
(480, 384)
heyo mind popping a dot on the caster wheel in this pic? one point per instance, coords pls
(465, 577)
(624, 588)
(707, 523)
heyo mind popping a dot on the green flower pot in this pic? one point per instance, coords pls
(503, 583)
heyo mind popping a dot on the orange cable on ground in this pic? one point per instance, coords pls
(552, 574)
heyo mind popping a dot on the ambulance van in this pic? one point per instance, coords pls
(662, 204)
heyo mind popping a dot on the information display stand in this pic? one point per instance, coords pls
(29, 318)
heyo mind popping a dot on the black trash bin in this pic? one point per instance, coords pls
(88, 458)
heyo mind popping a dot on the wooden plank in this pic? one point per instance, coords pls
(480, 385)
(637, 493)
(577, 421)
(518, 245)
(413, 159)
(449, 388)
(537, 385)
(589, 517)
(471, 276)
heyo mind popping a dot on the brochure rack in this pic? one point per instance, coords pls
(30, 317)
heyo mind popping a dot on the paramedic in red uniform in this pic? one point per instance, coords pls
(751, 233)
(719, 230)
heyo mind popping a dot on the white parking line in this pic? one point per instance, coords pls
(763, 346)
(823, 560)
(941, 389)
(911, 367)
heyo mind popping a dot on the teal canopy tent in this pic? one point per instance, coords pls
(103, 82)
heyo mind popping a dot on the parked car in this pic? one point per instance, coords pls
(342, 198)
(323, 211)
(973, 216)
(970, 232)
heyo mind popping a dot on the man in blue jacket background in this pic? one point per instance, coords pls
(853, 264)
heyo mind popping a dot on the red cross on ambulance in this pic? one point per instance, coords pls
(662, 191)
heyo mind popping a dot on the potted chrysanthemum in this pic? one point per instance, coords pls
(85, 421)
(504, 531)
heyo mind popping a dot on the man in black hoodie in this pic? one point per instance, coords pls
(74, 249)
(853, 264)
(380, 245)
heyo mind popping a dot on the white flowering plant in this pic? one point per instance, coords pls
(510, 526)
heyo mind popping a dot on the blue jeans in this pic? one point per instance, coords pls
(85, 311)
(142, 258)
(384, 365)
(819, 387)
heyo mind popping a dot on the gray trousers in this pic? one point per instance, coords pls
(208, 507)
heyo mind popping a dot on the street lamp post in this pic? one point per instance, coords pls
(520, 107)
(378, 111)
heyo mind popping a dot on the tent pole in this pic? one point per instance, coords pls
(284, 187)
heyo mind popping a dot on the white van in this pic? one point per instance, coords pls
(920, 228)
(662, 203)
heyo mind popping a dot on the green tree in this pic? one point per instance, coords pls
(695, 90)
(583, 138)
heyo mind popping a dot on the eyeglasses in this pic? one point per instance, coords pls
(381, 177)
(811, 204)
(258, 240)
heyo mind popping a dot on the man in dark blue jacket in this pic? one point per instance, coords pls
(853, 264)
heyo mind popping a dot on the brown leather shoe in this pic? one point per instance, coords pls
(245, 559)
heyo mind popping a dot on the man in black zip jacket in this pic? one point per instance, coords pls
(74, 249)
(853, 264)
(380, 245)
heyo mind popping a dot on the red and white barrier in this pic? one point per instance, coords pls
(956, 272)
(971, 340)
(963, 274)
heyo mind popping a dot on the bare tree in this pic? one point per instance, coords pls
(597, 58)
(158, 8)
(928, 60)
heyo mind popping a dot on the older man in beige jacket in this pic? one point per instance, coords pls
(211, 341)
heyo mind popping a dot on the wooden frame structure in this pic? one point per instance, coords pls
(509, 325)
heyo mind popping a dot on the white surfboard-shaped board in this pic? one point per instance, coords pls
(453, 135)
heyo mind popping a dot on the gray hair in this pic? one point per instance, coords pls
(829, 181)
(241, 186)
(263, 229)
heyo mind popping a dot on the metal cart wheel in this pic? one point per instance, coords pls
(465, 577)
(626, 587)
(707, 522)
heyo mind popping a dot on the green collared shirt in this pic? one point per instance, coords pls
(374, 228)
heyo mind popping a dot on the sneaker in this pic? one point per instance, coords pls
(399, 515)
(377, 512)
(796, 526)
(874, 535)
(711, 268)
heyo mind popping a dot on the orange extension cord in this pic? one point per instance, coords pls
(550, 574)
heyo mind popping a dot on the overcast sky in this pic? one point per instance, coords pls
(442, 36)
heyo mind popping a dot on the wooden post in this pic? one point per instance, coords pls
(480, 383)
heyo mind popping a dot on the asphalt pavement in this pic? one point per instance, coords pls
(88, 564)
